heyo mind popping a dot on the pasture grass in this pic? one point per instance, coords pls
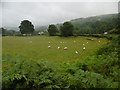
(36, 47)
(23, 70)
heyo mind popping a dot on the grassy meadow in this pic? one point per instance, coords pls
(36, 47)
(27, 62)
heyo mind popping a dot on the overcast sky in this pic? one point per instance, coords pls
(43, 13)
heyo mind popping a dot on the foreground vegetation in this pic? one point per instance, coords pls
(100, 70)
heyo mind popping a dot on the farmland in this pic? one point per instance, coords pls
(27, 62)
(36, 47)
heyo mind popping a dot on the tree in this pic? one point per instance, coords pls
(26, 27)
(52, 29)
(3, 31)
(67, 29)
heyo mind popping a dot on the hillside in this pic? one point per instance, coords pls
(94, 24)
(94, 18)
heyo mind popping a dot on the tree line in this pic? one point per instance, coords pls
(65, 30)
(91, 25)
(27, 28)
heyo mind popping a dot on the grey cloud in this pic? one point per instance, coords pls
(44, 13)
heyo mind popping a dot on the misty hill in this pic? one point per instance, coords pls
(94, 18)
(41, 28)
(95, 24)
(100, 23)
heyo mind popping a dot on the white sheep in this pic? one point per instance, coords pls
(65, 48)
(87, 42)
(76, 52)
(49, 46)
(83, 44)
(60, 42)
(58, 47)
(83, 48)
(49, 42)
(30, 41)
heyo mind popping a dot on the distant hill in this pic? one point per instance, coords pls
(94, 18)
(41, 28)
(94, 24)
(12, 28)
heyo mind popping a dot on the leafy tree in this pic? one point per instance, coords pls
(3, 31)
(67, 29)
(52, 29)
(26, 27)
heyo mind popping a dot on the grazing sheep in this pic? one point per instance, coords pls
(58, 47)
(105, 32)
(92, 39)
(76, 52)
(65, 48)
(30, 41)
(83, 44)
(83, 48)
(49, 42)
(49, 46)
(87, 42)
(60, 42)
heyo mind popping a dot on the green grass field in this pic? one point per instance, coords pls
(27, 62)
(36, 47)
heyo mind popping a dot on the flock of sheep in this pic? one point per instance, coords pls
(66, 48)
